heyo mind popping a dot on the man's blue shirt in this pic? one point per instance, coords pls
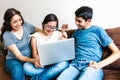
(89, 43)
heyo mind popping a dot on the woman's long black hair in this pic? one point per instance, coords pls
(7, 19)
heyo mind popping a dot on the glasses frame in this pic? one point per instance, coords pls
(48, 27)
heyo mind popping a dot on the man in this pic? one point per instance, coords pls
(89, 40)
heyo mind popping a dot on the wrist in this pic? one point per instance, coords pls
(32, 61)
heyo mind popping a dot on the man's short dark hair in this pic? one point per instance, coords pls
(85, 12)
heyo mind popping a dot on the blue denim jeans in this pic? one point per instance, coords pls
(15, 68)
(45, 73)
(79, 70)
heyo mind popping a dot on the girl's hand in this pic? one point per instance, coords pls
(37, 64)
(64, 28)
(93, 64)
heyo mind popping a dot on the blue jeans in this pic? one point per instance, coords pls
(15, 68)
(45, 73)
(79, 70)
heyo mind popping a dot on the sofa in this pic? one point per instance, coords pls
(111, 72)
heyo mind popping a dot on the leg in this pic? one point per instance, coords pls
(53, 70)
(70, 73)
(89, 73)
(30, 70)
(15, 68)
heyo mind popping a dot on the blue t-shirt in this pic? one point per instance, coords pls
(22, 44)
(89, 43)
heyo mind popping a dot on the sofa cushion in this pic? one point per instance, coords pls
(3, 74)
(111, 74)
(69, 32)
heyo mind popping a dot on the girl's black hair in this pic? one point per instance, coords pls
(50, 17)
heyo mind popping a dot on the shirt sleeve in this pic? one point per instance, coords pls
(8, 40)
(104, 39)
(29, 27)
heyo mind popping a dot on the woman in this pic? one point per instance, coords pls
(15, 35)
(49, 33)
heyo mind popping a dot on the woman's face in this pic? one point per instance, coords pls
(50, 27)
(16, 22)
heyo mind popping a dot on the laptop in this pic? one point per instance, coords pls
(51, 53)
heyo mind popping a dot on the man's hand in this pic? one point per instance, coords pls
(93, 64)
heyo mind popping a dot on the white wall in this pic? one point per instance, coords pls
(106, 12)
(4, 4)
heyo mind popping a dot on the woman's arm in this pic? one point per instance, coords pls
(13, 48)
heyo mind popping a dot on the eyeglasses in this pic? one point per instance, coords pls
(50, 27)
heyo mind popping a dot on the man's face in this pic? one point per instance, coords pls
(81, 23)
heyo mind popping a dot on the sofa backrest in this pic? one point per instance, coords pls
(114, 33)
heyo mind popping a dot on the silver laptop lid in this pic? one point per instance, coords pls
(55, 52)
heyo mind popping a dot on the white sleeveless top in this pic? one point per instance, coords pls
(54, 37)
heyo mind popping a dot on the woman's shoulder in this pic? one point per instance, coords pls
(28, 25)
(7, 33)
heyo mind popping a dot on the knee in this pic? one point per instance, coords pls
(27, 68)
(90, 72)
(63, 64)
(31, 70)
(19, 71)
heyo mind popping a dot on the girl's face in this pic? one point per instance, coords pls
(16, 22)
(50, 27)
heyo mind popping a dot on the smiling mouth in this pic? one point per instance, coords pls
(79, 26)
(49, 31)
